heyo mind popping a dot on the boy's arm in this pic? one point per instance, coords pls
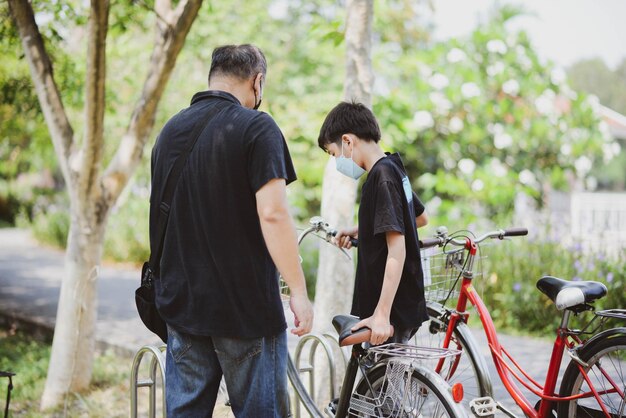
(343, 237)
(379, 322)
(421, 220)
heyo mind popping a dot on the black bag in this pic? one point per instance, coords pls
(145, 293)
(146, 306)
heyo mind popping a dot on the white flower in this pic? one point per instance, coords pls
(424, 70)
(478, 185)
(495, 69)
(545, 103)
(467, 166)
(278, 9)
(495, 128)
(438, 81)
(469, 90)
(558, 76)
(566, 149)
(594, 103)
(511, 87)
(527, 177)
(441, 102)
(455, 125)
(502, 140)
(583, 165)
(498, 169)
(456, 55)
(496, 46)
(423, 120)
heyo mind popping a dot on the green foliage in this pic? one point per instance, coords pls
(594, 77)
(512, 269)
(127, 233)
(107, 395)
(482, 119)
(28, 359)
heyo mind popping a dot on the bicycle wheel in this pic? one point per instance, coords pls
(386, 392)
(468, 368)
(606, 371)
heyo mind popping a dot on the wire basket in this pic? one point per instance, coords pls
(398, 392)
(443, 271)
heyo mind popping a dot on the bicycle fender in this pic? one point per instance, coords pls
(474, 351)
(609, 333)
(459, 412)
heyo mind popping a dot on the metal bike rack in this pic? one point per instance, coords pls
(157, 360)
(314, 341)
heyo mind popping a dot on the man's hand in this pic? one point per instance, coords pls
(343, 237)
(303, 312)
(380, 326)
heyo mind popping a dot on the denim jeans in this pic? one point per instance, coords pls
(255, 371)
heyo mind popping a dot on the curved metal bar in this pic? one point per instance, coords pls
(156, 358)
(315, 340)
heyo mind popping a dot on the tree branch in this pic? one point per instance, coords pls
(172, 30)
(61, 131)
(95, 78)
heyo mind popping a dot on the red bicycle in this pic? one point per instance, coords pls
(594, 382)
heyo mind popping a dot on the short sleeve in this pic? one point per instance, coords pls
(418, 206)
(388, 212)
(268, 154)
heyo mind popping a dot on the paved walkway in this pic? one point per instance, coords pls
(30, 279)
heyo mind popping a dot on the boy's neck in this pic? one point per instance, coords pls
(371, 153)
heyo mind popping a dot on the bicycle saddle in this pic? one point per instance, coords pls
(343, 325)
(571, 295)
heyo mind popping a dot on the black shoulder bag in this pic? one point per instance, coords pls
(145, 295)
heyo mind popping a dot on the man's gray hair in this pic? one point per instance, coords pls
(240, 61)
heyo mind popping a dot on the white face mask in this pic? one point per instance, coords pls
(347, 166)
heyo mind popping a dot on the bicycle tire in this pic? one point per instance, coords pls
(471, 370)
(609, 353)
(429, 395)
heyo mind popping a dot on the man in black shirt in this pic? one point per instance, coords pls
(389, 285)
(229, 233)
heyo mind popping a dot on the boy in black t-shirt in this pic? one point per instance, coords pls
(389, 285)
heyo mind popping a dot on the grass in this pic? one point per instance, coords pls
(27, 357)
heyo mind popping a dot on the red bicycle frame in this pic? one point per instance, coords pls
(500, 355)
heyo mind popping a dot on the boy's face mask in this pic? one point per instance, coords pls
(347, 166)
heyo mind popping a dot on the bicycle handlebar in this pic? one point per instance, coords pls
(443, 239)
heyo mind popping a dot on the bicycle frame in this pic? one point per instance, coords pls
(564, 339)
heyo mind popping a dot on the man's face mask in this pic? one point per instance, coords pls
(347, 166)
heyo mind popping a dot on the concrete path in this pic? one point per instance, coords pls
(30, 279)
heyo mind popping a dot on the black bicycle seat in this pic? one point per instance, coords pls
(343, 324)
(571, 295)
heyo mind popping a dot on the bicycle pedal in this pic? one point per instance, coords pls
(483, 407)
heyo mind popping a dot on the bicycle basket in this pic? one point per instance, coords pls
(396, 394)
(442, 273)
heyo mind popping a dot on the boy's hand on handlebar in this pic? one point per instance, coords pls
(303, 312)
(380, 326)
(344, 236)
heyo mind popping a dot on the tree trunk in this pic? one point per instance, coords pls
(93, 193)
(335, 278)
(74, 332)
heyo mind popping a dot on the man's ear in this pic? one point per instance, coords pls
(347, 139)
(258, 83)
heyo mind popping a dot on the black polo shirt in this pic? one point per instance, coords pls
(389, 204)
(216, 275)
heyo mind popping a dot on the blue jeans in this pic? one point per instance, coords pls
(255, 371)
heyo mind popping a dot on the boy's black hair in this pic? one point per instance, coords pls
(240, 61)
(348, 118)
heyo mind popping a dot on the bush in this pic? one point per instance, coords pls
(512, 269)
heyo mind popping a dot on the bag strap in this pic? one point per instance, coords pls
(172, 180)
